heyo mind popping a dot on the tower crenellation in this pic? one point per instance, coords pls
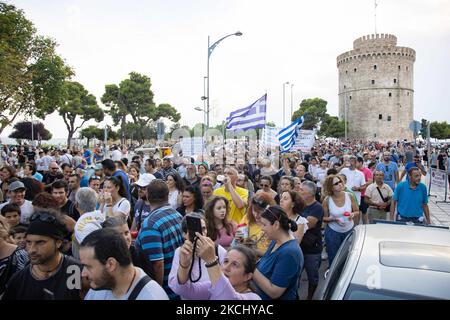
(376, 88)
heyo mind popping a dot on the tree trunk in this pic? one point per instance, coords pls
(69, 139)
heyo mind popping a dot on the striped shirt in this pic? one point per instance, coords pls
(158, 239)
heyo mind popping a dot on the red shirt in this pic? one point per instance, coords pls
(368, 175)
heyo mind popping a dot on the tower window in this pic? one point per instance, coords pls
(346, 72)
(373, 81)
(380, 117)
(407, 93)
(345, 87)
(395, 80)
(350, 97)
(406, 68)
(398, 67)
(354, 70)
(390, 94)
(375, 67)
(389, 118)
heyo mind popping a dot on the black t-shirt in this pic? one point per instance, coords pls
(24, 286)
(312, 239)
(441, 161)
(70, 210)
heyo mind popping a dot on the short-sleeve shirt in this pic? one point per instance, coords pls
(389, 171)
(225, 239)
(314, 235)
(151, 291)
(122, 205)
(355, 178)
(158, 239)
(374, 195)
(410, 201)
(125, 182)
(87, 156)
(282, 267)
(235, 213)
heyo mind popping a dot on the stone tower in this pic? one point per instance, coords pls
(376, 88)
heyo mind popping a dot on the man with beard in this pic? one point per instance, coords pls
(111, 274)
(51, 275)
(52, 175)
(59, 192)
(16, 192)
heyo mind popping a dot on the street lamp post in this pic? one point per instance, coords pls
(284, 104)
(210, 50)
(292, 100)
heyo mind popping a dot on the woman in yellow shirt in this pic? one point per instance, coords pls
(249, 230)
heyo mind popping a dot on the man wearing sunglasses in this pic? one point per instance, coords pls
(50, 275)
(142, 207)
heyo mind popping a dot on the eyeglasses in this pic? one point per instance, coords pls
(259, 202)
(45, 217)
(337, 183)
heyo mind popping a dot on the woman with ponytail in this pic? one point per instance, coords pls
(277, 273)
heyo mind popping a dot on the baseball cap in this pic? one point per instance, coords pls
(16, 185)
(145, 179)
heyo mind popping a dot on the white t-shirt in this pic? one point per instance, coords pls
(26, 210)
(46, 160)
(123, 205)
(321, 175)
(87, 223)
(301, 220)
(65, 158)
(355, 178)
(338, 212)
(151, 291)
(173, 197)
(40, 165)
(116, 155)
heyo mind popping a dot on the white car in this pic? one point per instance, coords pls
(388, 261)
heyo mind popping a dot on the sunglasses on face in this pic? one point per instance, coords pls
(264, 185)
(337, 183)
(45, 217)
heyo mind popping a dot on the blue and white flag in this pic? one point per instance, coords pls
(251, 117)
(288, 135)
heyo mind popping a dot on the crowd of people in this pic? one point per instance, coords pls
(79, 224)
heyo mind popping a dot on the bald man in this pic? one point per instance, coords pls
(53, 174)
(236, 196)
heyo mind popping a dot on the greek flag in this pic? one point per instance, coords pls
(288, 135)
(251, 117)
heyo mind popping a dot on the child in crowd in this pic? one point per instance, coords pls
(220, 229)
(18, 234)
(12, 213)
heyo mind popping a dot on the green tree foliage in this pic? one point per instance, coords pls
(78, 103)
(92, 132)
(332, 127)
(316, 110)
(440, 130)
(134, 132)
(133, 97)
(22, 130)
(32, 74)
(270, 124)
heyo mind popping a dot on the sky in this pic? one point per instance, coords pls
(283, 41)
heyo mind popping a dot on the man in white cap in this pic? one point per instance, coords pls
(142, 206)
(16, 193)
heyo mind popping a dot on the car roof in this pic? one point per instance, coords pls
(410, 259)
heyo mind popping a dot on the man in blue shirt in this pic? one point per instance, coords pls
(415, 164)
(390, 170)
(411, 199)
(87, 156)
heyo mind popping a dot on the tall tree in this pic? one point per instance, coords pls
(332, 127)
(22, 130)
(32, 74)
(78, 103)
(92, 132)
(316, 110)
(133, 97)
(440, 130)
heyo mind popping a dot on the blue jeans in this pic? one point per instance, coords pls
(312, 265)
(333, 242)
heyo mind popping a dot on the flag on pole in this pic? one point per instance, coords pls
(288, 135)
(251, 117)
